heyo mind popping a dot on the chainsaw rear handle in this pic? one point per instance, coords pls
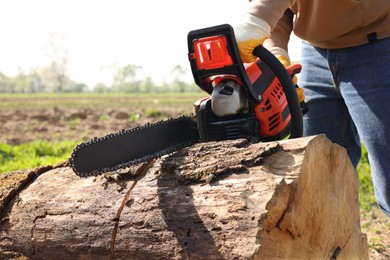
(288, 88)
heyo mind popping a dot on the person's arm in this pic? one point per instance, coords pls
(259, 21)
(250, 34)
(277, 44)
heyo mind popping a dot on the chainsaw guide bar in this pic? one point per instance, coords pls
(132, 146)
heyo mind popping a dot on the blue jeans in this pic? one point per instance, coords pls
(347, 92)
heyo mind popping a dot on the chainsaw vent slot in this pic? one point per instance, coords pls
(232, 128)
(277, 92)
(273, 121)
(276, 95)
(230, 131)
(267, 105)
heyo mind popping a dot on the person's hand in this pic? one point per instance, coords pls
(250, 34)
(286, 63)
(301, 93)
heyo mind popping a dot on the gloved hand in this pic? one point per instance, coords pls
(250, 34)
(282, 56)
(286, 62)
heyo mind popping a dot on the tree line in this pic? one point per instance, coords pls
(54, 78)
(127, 79)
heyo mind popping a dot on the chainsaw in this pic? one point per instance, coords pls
(256, 101)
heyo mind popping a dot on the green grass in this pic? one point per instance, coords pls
(366, 192)
(33, 154)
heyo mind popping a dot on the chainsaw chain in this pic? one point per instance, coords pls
(130, 163)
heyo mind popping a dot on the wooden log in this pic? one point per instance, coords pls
(292, 199)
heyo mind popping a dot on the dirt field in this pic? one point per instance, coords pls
(58, 124)
(55, 118)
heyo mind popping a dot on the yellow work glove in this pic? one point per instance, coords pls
(250, 34)
(286, 62)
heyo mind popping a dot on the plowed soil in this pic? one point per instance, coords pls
(27, 118)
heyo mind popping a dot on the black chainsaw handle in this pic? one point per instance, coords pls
(288, 88)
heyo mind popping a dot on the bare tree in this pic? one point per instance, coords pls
(178, 74)
(57, 52)
(126, 78)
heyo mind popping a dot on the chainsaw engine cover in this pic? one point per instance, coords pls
(272, 111)
(228, 98)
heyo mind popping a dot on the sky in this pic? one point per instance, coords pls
(100, 34)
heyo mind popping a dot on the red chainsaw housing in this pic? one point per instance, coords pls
(272, 112)
(261, 111)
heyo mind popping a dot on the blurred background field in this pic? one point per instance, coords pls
(42, 129)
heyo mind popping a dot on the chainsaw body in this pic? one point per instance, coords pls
(246, 100)
(257, 101)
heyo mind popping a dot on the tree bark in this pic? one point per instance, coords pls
(292, 199)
